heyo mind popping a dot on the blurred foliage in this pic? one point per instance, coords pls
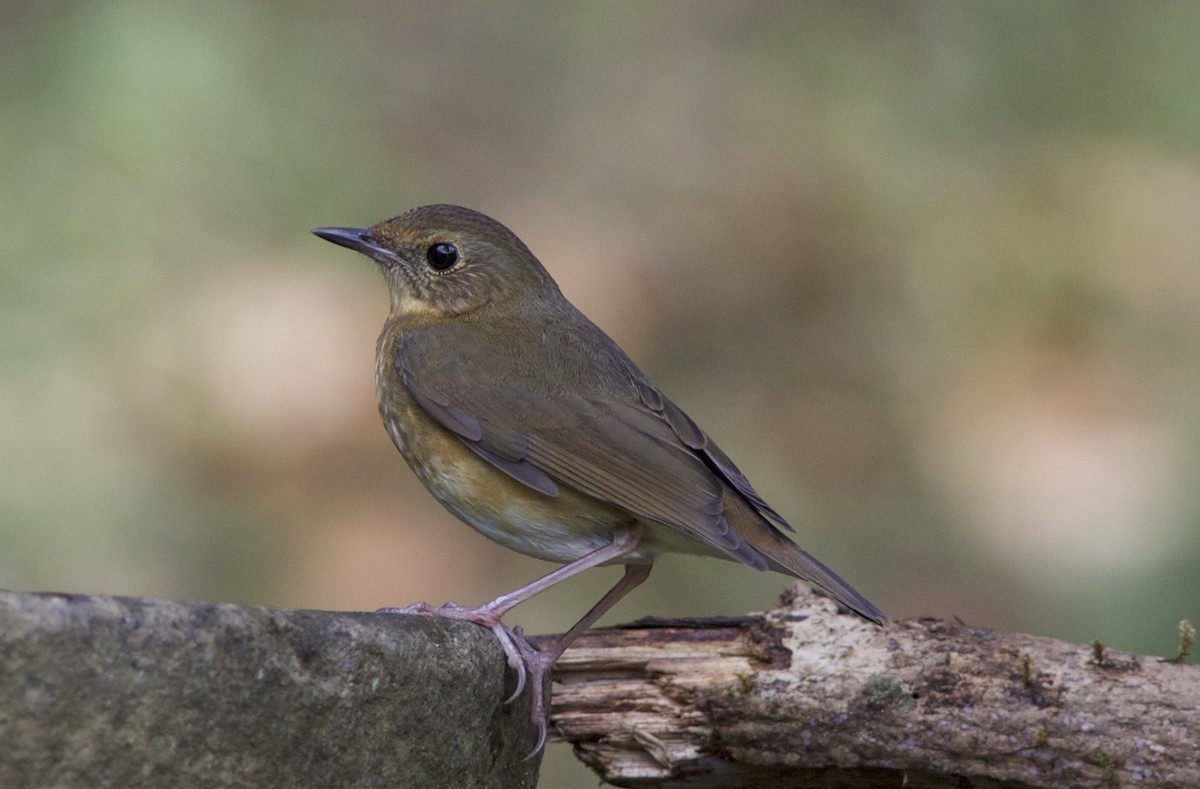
(928, 271)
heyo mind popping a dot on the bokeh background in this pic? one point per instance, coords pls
(930, 272)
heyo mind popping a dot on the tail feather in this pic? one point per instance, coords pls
(784, 556)
(802, 565)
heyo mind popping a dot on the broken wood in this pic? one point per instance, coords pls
(804, 696)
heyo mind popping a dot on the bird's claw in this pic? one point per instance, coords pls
(510, 642)
(531, 665)
(450, 609)
(541, 740)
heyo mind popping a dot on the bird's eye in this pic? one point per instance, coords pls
(441, 256)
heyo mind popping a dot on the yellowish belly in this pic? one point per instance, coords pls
(554, 528)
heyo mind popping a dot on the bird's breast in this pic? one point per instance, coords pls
(555, 528)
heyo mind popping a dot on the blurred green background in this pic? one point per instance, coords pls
(930, 272)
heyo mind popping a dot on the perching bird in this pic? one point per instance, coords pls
(531, 425)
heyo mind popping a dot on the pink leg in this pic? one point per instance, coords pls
(539, 662)
(633, 577)
(520, 654)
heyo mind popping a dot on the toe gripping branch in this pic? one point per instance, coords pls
(531, 664)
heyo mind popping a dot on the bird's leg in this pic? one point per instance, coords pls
(520, 654)
(539, 662)
(633, 577)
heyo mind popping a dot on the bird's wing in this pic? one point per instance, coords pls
(639, 452)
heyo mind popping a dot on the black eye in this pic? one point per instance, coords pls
(441, 256)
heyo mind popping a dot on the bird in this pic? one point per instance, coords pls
(531, 425)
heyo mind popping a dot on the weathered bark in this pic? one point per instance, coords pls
(120, 692)
(802, 696)
(106, 691)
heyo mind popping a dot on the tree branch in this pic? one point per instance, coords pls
(802, 696)
(112, 691)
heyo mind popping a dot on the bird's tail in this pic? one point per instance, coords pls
(799, 563)
(784, 556)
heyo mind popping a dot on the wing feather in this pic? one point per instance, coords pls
(620, 453)
(612, 436)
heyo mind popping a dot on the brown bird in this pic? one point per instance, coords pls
(531, 425)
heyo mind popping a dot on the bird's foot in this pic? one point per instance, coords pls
(510, 641)
(531, 665)
(537, 664)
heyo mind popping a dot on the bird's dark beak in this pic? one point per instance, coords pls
(359, 239)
